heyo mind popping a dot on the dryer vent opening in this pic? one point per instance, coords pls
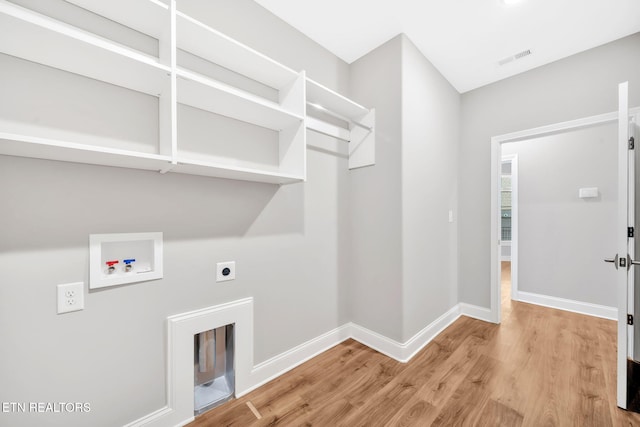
(214, 377)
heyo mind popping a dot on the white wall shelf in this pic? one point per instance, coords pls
(201, 92)
(49, 149)
(149, 17)
(332, 101)
(220, 170)
(361, 132)
(201, 40)
(36, 37)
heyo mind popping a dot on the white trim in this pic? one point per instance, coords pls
(427, 334)
(270, 369)
(150, 418)
(180, 331)
(495, 248)
(376, 341)
(581, 307)
(403, 352)
(476, 312)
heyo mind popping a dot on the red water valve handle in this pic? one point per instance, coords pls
(110, 263)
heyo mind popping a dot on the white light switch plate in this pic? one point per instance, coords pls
(221, 270)
(70, 297)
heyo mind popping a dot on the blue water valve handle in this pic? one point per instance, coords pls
(127, 264)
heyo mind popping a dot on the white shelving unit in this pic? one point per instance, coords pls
(361, 132)
(33, 36)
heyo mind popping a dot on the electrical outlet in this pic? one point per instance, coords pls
(225, 271)
(70, 297)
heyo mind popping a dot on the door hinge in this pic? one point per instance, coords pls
(629, 319)
(632, 143)
(630, 231)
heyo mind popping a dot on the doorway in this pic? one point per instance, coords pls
(623, 260)
(555, 274)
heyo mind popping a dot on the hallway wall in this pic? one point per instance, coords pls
(579, 86)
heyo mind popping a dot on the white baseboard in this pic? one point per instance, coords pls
(151, 418)
(476, 312)
(596, 310)
(426, 335)
(403, 352)
(270, 369)
(376, 341)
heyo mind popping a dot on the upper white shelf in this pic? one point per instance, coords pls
(201, 40)
(149, 17)
(332, 101)
(38, 38)
(210, 95)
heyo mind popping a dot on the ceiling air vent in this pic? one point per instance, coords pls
(518, 55)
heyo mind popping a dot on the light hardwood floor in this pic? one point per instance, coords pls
(540, 367)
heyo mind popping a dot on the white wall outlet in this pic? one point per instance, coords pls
(225, 271)
(70, 297)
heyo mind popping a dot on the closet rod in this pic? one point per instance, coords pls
(340, 116)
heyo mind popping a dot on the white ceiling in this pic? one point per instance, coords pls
(464, 39)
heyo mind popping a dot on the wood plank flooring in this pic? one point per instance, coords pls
(540, 367)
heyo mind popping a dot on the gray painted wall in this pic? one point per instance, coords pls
(579, 86)
(402, 246)
(287, 242)
(376, 197)
(430, 135)
(563, 239)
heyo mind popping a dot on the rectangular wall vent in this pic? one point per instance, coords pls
(512, 58)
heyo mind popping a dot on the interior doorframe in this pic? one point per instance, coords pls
(496, 164)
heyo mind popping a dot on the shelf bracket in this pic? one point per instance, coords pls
(362, 149)
(167, 168)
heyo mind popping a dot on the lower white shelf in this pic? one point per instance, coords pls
(203, 168)
(50, 149)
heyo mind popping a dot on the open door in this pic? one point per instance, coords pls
(628, 381)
